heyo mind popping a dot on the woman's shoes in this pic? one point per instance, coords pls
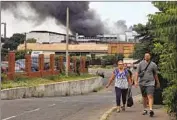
(123, 108)
(118, 110)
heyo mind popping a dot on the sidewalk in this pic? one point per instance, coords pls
(134, 113)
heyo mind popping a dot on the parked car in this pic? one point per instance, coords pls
(21, 63)
(4, 67)
(34, 64)
(71, 65)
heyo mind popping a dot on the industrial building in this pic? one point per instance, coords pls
(54, 43)
(44, 37)
(48, 37)
(82, 48)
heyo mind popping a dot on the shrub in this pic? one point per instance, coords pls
(20, 54)
(31, 40)
(170, 99)
(3, 76)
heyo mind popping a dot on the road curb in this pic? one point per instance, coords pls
(64, 88)
(105, 116)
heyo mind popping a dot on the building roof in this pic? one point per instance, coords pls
(41, 31)
(90, 47)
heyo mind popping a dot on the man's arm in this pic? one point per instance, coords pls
(137, 74)
(111, 80)
(136, 78)
(130, 80)
(156, 76)
(129, 77)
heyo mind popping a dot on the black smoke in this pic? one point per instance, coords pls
(82, 20)
(121, 26)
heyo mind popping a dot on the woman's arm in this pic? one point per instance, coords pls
(110, 80)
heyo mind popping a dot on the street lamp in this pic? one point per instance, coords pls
(67, 32)
(25, 44)
(4, 28)
(118, 43)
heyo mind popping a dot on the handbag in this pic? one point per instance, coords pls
(141, 74)
(130, 102)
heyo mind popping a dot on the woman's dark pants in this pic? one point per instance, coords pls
(119, 93)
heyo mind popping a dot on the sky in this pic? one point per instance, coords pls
(132, 12)
(109, 12)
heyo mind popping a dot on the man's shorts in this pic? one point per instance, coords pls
(147, 90)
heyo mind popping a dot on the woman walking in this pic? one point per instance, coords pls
(122, 82)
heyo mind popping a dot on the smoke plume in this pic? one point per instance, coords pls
(82, 20)
(121, 26)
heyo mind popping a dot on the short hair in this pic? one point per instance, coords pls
(148, 53)
(120, 60)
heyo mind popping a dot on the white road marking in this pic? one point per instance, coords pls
(21, 114)
(9, 118)
(33, 110)
(52, 105)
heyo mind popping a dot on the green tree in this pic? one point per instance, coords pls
(159, 36)
(20, 54)
(31, 40)
(165, 46)
(145, 38)
(13, 42)
(3, 39)
(4, 53)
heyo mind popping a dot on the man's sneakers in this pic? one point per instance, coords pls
(151, 113)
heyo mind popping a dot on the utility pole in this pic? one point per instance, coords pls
(0, 65)
(25, 44)
(4, 29)
(118, 43)
(67, 36)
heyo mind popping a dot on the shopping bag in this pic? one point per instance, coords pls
(130, 102)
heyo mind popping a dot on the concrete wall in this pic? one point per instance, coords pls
(40, 37)
(125, 48)
(50, 90)
(53, 38)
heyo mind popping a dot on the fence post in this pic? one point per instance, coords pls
(41, 64)
(61, 63)
(11, 65)
(52, 63)
(28, 64)
(69, 59)
(84, 60)
(74, 63)
(81, 64)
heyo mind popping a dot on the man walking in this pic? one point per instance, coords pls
(147, 72)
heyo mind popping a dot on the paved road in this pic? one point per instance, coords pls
(88, 107)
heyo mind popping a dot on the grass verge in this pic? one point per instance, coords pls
(22, 81)
(99, 66)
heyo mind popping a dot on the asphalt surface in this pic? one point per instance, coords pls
(83, 107)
